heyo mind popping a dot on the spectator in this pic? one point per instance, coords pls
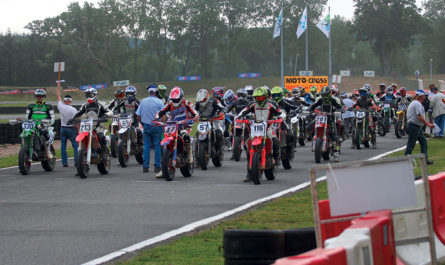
(416, 120)
(437, 106)
(152, 134)
(67, 112)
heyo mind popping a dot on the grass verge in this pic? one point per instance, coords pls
(292, 211)
(10, 161)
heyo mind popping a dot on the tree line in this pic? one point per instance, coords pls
(151, 40)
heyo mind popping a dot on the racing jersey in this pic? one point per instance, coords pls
(93, 110)
(327, 105)
(265, 113)
(238, 105)
(39, 112)
(179, 113)
(210, 109)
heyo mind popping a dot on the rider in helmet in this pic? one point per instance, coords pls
(329, 104)
(263, 110)
(162, 93)
(381, 92)
(179, 109)
(40, 110)
(394, 88)
(218, 93)
(370, 94)
(403, 98)
(249, 92)
(365, 102)
(299, 95)
(314, 95)
(119, 97)
(240, 103)
(131, 105)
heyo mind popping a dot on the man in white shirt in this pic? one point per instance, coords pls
(437, 105)
(67, 112)
(348, 116)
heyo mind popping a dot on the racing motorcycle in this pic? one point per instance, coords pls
(129, 144)
(206, 145)
(400, 124)
(90, 150)
(387, 109)
(174, 154)
(260, 150)
(362, 129)
(286, 146)
(32, 147)
(298, 125)
(114, 138)
(241, 132)
(322, 145)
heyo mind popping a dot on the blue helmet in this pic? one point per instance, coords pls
(229, 97)
(130, 93)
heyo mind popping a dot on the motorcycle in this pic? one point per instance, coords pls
(114, 139)
(362, 128)
(286, 146)
(174, 154)
(400, 124)
(260, 150)
(90, 151)
(206, 145)
(298, 125)
(322, 144)
(387, 109)
(32, 147)
(129, 144)
(240, 134)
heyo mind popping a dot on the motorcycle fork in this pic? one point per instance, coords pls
(90, 138)
(175, 147)
(263, 154)
(325, 140)
(251, 152)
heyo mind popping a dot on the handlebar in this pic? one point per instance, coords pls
(268, 122)
(160, 123)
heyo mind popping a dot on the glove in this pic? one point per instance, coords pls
(71, 121)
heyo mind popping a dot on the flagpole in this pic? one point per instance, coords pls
(307, 44)
(282, 38)
(330, 47)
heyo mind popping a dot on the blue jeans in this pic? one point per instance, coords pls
(152, 137)
(415, 133)
(440, 121)
(65, 134)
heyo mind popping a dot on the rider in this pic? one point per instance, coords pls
(371, 95)
(389, 98)
(130, 105)
(162, 93)
(228, 98)
(364, 102)
(249, 92)
(93, 107)
(329, 104)
(403, 98)
(263, 110)
(299, 99)
(381, 92)
(40, 111)
(180, 109)
(240, 103)
(119, 97)
(314, 95)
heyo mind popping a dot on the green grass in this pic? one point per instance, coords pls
(11, 160)
(292, 211)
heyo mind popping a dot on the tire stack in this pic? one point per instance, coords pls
(299, 240)
(3, 135)
(57, 125)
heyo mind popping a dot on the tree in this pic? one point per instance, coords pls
(434, 38)
(389, 25)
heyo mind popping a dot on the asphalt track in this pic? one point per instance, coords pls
(57, 218)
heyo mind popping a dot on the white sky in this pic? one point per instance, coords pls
(16, 14)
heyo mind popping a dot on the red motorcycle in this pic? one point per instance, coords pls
(260, 150)
(174, 154)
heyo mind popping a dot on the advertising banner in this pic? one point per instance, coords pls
(99, 86)
(121, 83)
(188, 78)
(345, 73)
(249, 75)
(305, 82)
(368, 73)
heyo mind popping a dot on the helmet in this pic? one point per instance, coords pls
(296, 91)
(249, 90)
(130, 92)
(40, 96)
(382, 86)
(402, 91)
(91, 95)
(119, 94)
(363, 92)
(313, 90)
(260, 94)
(229, 97)
(176, 96)
(302, 91)
(152, 85)
(162, 90)
(325, 92)
(389, 90)
(368, 87)
(355, 92)
(202, 96)
(218, 92)
(241, 93)
(394, 85)
(277, 93)
(334, 89)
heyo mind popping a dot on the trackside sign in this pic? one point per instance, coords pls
(305, 81)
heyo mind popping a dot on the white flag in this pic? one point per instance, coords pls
(278, 25)
(302, 25)
(325, 25)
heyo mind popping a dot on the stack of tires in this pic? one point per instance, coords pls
(3, 133)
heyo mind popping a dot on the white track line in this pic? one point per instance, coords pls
(4, 168)
(197, 224)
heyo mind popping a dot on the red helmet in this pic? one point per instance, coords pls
(402, 91)
(218, 92)
(176, 96)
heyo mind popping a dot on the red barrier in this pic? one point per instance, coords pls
(382, 235)
(332, 229)
(437, 193)
(318, 256)
(399, 262)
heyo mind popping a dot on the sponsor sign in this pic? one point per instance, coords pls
(188, 78)
(336, 79)
(345, 73)
(249, 75)
(28, 91)
(121, 83)
(57, 65)
(368, 73)
(99, 86)
(306, 82)
(306, 73)
(9, 92)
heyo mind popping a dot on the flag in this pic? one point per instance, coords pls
(325, 25)
(278, 25)
(302, 25)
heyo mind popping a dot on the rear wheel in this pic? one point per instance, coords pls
(218, 160)
(398, 129)
(286, 157)
(140, 156)
(381, 128)
(270, 173)
(50, 164)
(122, 154)
(187, 170)
(82, 167)
(357, 139)
(168, 170)
(237, 149)
(256, 172)
(104, 166)
(203, 157)
(318, 144)
(114, 145)
(24, 161)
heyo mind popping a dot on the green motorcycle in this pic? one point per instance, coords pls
(32, 147)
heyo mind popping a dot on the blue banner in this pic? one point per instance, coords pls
(249, 75)
(99, 86)
(188, 78)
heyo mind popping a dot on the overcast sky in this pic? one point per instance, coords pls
(15, 14)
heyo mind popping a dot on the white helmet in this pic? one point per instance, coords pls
(202, 97)
(249, 90)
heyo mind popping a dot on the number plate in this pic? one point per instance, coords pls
(386, 105)
(258, 129)
(169, 129)
(402, 107)
(360, 114)
(115, 120)
(28, 125)
(294, 120)
(86, 126)
(203, 126)
(320, 120)
(124, 123)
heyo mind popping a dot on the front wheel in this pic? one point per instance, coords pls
(256, 172)
(357, 139)
(24, 161)
(168, 170)
(50, 164)
(237, 149)
(286, 157)
(398, 129)
(318, 151)
(203, 157)
(105, 165)
(187, 170)
(381, 128)
(218, 160)
(82, 165)
(122, 154)
(114, 144)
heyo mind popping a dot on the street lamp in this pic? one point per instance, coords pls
(431, 70)
(296, 63)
